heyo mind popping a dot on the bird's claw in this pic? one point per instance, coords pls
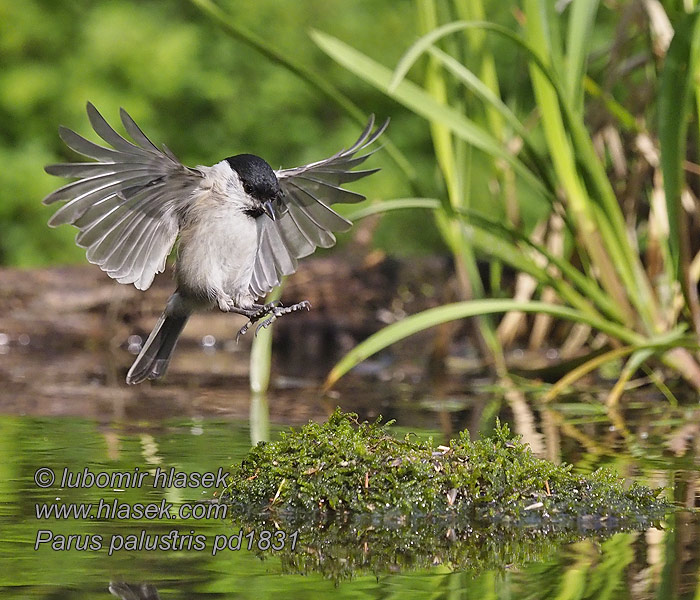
(243, 330)
(274, 310)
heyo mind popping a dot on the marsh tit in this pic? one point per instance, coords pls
(242, 225)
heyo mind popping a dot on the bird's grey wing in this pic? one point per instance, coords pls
(126, 204)
(303, 217)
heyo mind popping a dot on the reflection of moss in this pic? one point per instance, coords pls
(364, 499)
(341, 549)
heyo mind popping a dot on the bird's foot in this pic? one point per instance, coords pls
(271, 310)
(278, 311)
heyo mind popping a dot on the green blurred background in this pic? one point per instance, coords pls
(192, 87)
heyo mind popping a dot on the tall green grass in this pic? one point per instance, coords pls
(590, 270)
(628, 274)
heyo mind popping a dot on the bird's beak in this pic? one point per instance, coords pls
(269, 210)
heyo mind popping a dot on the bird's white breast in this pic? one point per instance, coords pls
(218, 242)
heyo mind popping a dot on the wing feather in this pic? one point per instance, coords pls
(303, 217)
(90, 169)
(312, 232)
(294, 239)
(268, 271)
(285, 261)
(135, 132)
(127, 204)
(105, 131)
(103, 183)
(322, 216)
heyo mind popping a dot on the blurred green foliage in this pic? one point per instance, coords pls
(191, 87)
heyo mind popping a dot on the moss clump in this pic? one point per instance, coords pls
(361, 500)
(346, 467)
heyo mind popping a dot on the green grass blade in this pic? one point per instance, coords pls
(377, 208)
(676, 86)
(639, 358)
(614, 254)
(587, 286)
(655, 346)
(584, 369)
(420, 102)
(624, 117)
(423, 44)
(495, 246)
(451, 152)
(500, 241)
(630, 269)
(488, 236)
(436, 86)
(231, 26)
(461, 310)
(261, 352)
(602, 242)
(479, 88)
(259, 419)
(473, 10)
(581, 21)
(616, 240)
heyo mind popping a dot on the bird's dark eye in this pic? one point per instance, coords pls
(248, 188)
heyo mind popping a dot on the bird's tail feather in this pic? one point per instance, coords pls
(153, 360)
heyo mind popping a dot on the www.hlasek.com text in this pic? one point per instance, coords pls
(122, 511)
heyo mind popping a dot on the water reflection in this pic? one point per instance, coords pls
(69, 408)
(363, 546)
(654, 562)
(134, 591)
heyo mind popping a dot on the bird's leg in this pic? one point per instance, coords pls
(275, 310)
(227, 304)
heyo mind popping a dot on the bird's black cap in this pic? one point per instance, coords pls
(258, 177)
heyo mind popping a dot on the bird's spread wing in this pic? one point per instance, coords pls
(125, 205)
(303, 217)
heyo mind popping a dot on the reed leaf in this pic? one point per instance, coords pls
(582, 15)
(499, 241)
(675, 96)
(422, 103)
(261, 351)
(461, 310)
(643, 351)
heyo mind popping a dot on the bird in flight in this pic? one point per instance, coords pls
(240, 225)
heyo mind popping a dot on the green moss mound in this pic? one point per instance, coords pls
(360, 500)
(343, 466)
